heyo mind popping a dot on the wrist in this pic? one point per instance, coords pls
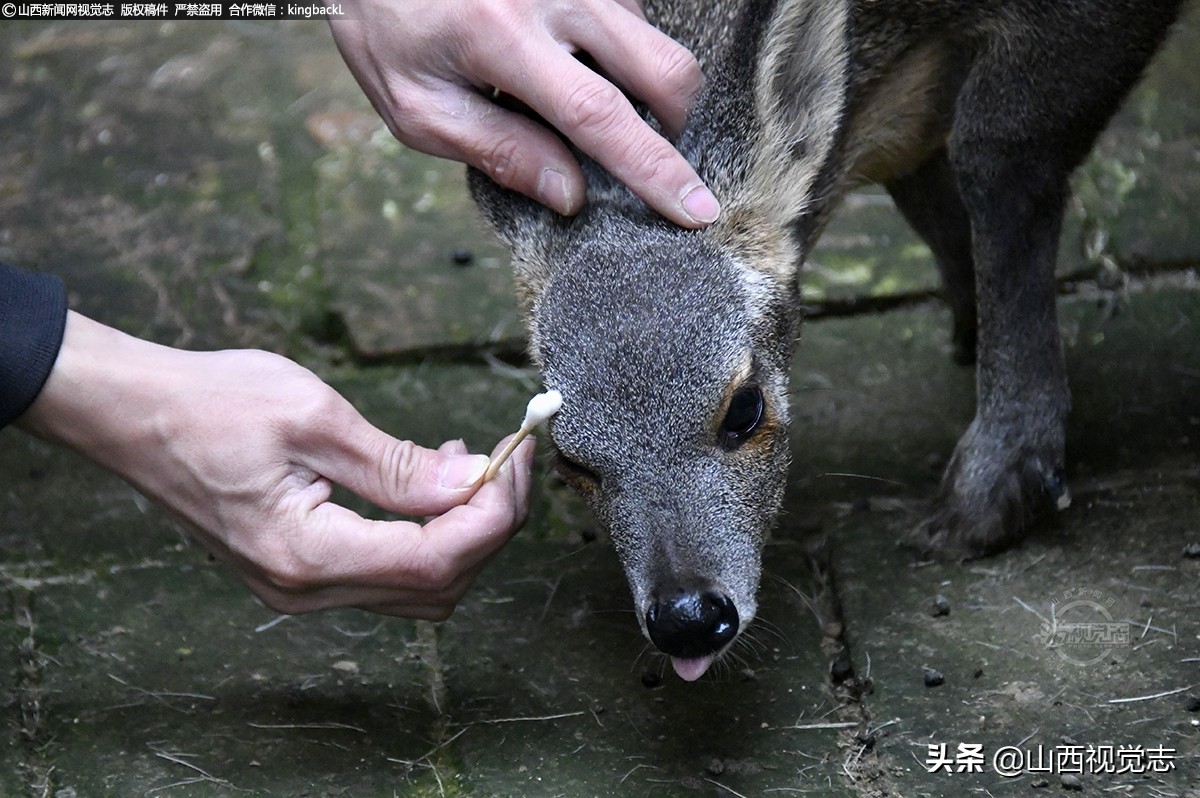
(97, 399)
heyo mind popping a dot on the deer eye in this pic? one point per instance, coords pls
(744, 415)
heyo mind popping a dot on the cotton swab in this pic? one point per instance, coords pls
(540, 408)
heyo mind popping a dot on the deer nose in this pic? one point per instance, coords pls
(691, 624)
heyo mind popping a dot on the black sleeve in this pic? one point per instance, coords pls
(33, 315)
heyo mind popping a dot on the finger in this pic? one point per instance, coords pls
(469, 535)
(402, 604)
(396, 475)
(327, 556)
(420, 604)
(343, 560)
(598, 118)
(335, 546)
(424, 606)
(649, 64)
(439, 607)
(514, 151)
(454, 447)
(287, 592)
(520, 467)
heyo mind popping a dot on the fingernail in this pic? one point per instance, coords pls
(552, 191)
(463, 471)
(701, 205)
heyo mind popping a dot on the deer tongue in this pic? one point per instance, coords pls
(691, 669)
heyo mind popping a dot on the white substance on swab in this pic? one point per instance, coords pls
(540, 408)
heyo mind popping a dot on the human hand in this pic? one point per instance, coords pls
(429, 67)
(244, 446)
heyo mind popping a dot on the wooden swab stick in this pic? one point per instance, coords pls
(540, 408)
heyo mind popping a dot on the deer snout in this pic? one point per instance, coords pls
(692, 627)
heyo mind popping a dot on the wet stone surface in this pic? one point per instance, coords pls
(167, 676)
(227, 185)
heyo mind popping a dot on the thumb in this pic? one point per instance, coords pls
(420, 481)
(395, 474)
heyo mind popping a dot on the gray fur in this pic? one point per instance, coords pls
(973, 113)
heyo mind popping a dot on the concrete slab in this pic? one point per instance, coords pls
(551, 684)
(218, 185)
(1008, 674)
(1117, 559)
(132, 176)
(170, 678)
(167, 677)
(138, 689)
(207, 200)
(258, 198)
(542, 669)
(1133, 198)
(410, 264)
(60, 513)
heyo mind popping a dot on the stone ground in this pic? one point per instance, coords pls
(210, 185)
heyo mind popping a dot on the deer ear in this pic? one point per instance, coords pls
(525, 225)
(800, 100)
(780, 168)
(511, 215)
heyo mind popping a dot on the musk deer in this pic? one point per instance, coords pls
(671, 347)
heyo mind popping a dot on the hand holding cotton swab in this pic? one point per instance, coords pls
(540, 408)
